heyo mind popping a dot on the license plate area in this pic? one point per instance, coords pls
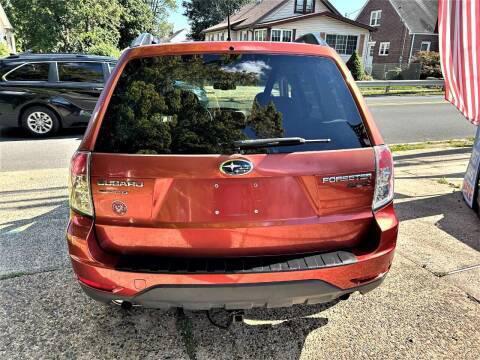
(237, 197)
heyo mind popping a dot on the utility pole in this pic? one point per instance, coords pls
(229, 38)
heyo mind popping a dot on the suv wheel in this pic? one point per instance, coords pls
(40, 121)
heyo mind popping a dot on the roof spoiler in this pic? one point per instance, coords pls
(311, 39)
(145, 39)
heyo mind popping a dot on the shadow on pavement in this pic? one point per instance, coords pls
(35, 242)
(458, 220)
(36, 245)
(265, 334)
(18, 134)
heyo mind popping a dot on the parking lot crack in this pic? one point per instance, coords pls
(184, 326)
(441, 274)
(27, 273)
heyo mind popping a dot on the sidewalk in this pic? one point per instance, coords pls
(437, 230)
(427, 308)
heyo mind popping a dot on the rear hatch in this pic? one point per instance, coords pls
(231, 155)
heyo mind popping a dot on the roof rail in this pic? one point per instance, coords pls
(311, 39)
(145, 39)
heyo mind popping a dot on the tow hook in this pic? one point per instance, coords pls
(225, 318)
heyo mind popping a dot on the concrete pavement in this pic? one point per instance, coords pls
(428, 307)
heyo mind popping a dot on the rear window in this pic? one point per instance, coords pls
(89, 72)
(30, 72)
(203, 104)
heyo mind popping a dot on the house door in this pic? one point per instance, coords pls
(369, 57)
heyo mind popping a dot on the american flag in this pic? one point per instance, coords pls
(459, 35)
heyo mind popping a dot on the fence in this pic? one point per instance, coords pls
(395, 71)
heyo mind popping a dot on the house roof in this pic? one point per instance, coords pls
(250, 13)
(253, 13)
(420, 16)
(307, 16)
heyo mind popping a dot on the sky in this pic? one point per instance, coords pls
(350, 7)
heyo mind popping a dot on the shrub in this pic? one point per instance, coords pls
(104, 50)
(4, 51)
(430, 64)
(394, 74)
(354, 64)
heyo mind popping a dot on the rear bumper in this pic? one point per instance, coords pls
(101, 278)
(234, 297)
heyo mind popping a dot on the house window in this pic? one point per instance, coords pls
(282, 35)
(375, 17)
(260, 35)
(304, 6)
(425, 46)
(343, 44)
(244, 36)
(384, 49)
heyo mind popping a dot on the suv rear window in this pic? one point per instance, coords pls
(202, 104)
(30, 72)
(90, 72)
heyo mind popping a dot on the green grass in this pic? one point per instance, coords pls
(403, 90)
(468, 142)
(444, 181)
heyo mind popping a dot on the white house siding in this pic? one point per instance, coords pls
(6, 31)
(234, 35)
(287, 10)
(324, 24)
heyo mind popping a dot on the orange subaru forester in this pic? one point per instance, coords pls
(231, 175)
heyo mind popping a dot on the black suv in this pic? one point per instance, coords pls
(45, 92)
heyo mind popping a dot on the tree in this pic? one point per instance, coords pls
(430, 64)
(160, 10)
(205, 13)
(354, 64)
(104, 50)
(4, 51)
(61, 25)
(79, 25)
(137, 17)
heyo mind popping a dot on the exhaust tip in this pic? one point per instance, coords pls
(125, 305)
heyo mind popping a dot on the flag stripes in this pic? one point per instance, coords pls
(458, 27)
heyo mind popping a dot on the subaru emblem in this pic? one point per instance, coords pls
(236, 167)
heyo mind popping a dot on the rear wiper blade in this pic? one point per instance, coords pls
(287, 141)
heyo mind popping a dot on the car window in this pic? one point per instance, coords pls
(202, 104)
(30, 72)
(90, 72)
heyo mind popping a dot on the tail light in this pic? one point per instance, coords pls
(384, 177)
(79, 184)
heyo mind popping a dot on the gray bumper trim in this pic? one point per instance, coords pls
(235, 297)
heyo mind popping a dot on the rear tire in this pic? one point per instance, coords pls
(40, 121)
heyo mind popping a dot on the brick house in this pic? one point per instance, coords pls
(403, 27)
(287, 20)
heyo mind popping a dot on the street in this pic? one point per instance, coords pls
(401, 119)
(428, 306)
(405, 119)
